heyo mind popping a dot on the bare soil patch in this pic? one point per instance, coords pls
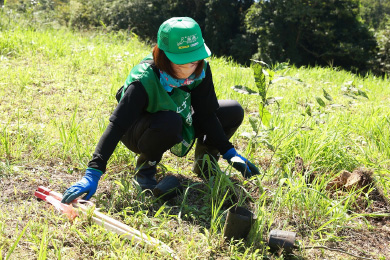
(373, 238)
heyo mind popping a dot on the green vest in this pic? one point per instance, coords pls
(160, 100)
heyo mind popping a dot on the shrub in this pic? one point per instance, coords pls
(87, 13)
(383, 56)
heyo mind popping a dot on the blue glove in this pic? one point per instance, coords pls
(88, 184)
(240, 163)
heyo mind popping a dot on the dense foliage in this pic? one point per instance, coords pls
(303, 32)
(312, 32)
(375, 13)
(382, 64)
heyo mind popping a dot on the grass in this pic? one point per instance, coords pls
(57, 91)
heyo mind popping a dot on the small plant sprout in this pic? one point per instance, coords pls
(263, 75)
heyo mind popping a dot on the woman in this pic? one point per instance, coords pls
(167, 101)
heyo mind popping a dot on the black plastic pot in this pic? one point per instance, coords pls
(238, 223)
(281, 239)
(168, 188)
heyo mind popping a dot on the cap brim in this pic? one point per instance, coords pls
(187, 57)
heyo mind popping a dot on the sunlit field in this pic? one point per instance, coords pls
(57, 91)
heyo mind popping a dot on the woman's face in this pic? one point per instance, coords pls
(183, 71)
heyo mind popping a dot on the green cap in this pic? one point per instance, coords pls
(181, 40)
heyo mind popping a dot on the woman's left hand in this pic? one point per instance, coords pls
(240, 163)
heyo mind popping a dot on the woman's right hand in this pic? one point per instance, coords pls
(88, 184)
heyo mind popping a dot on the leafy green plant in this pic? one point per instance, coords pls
(263, 78)
(261, 126)
(351, 90)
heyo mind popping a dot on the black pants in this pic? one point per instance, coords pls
(155, 133)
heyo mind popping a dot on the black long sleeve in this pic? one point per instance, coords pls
(205, 103)
(129, 109)
(106, 147)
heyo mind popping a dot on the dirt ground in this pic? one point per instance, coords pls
(19, 189)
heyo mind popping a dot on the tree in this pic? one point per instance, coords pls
(224, 28)
(375, 13)
(383, 57)
(310, 32)
(143, 17)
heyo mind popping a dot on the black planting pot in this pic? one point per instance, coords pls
(281, 239)
(238, 223)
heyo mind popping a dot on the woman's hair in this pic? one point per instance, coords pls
(163, 63)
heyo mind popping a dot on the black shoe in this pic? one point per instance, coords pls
(145, 182)
(146, 170)
(168, 188)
